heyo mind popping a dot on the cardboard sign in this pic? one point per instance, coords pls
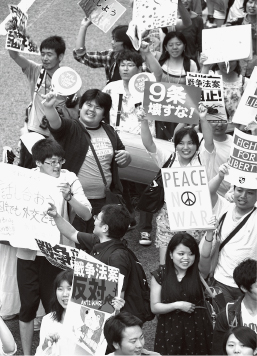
(137, 85)
(243, 161)
(58, 255)
(94, 286)
(187, 197)
(24, 198)
(246, 111)
(16, 39)
(102, 13)
(171, 102)
(212, 95)
(225, 44)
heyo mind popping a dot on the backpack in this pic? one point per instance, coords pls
(137, 295)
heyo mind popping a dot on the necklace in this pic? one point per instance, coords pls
(169, 71)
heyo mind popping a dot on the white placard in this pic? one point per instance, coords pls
(187, 197)
(246, 111)
(224, 44)
(243, 161)
(24, 198)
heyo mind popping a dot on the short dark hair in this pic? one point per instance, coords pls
(115, 325)
(56, 307)
(54, 42)
(104, 100)
(132, 56)
(244, 334)
(245, 274)
(244, 5)
(120, 35)
(117, 218)
(188, 130)
(46, 148)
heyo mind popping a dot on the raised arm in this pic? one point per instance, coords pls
(51, 114)
(80, 41)
(19, 59)
(206, 129)
(146, 135)
(63, 225)
(204, 67)
(151, 61)
(185, 20)
(215, 182)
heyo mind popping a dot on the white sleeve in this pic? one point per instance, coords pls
(160, 156)
(220, 207)
(77, 190)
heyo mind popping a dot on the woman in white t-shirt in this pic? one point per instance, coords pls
(186, 144)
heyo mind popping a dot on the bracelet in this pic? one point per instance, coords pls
(208, 240)
(71, 195)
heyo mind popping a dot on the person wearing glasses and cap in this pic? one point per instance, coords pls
(35, 274)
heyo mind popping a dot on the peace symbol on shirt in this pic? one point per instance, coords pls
(188, 198)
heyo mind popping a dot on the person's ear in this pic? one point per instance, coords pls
(171, 255)
(115, 345)
(105, 228)
(39, 164)
(243, 289)
(61, 57)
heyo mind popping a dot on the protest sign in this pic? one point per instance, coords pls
(243, 161)
(24, 198)
(137, 85)
(16, 39)
(187, 197)
(246, 111)
(225, 44)
(66, 81)
(149, 14)
(102, 13)
(212, 95)
(58, 255)
(171, 102)
(94, 286)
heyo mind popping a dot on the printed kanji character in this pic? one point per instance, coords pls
(155, 108)
(73, 254)
(45, 248)
(97, 290)
(26, 212)
(176, 94)
(114, 13)
(102, 272)
(113, 274)
(62, 255)
(39, 199)
(79, 268)
(167, 109)
(34, 215)
(198, 83)
(79, 286)
(206, 83)
(216, 84)
(181, 111)
(90, 269)
(191, 81)
(104, 8)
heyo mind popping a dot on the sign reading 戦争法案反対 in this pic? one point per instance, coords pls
(187, 197)
(16, 39)
(171, 102)
(243, 161)
(102, 13)
(212, 96)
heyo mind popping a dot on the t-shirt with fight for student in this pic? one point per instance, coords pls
(89, 175)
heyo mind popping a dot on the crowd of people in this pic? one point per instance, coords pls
(76, 139)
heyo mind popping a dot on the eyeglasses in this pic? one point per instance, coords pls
(55, 163)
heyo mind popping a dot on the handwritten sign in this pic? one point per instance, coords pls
(58, 255)
(224, 44)
(16, 39)
(246, 111)
(102, 13)
(171, 102)
(212, 96)
(94, 286)
(187, 197)
(243, 161)
(24, 198)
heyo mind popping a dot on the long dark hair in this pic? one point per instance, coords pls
(165, 54)
(244, 334)
(56, 307)
(191, 283)
(215, 68)
(189, 130)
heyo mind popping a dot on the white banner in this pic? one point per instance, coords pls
(187, 197)
(246, 111)
(24, 198)
(243, 161)
(225, 44)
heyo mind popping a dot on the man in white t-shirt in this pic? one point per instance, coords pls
(241, 312)
(244, 243)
